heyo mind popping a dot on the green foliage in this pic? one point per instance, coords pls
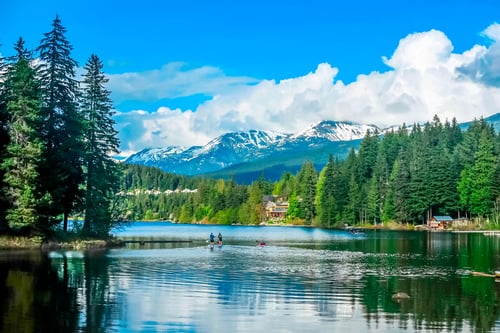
(61, 171)
(23, 152)
(101, 172)
(54, 156)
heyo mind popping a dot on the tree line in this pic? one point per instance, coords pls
(406, 175)
(56, 137)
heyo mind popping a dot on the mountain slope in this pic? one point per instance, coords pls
(248, 155)
(246, 147)
(273, 166)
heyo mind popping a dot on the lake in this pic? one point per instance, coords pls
(303, 280)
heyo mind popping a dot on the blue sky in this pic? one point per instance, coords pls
(183, 72)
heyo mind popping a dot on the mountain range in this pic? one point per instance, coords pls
(248, 155)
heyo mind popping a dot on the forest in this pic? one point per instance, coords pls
(404, 176)
(57, 136)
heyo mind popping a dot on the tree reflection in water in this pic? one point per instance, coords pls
(91, 292)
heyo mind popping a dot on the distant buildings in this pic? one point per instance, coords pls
(156, 192)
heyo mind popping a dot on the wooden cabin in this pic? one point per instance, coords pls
(440, 222)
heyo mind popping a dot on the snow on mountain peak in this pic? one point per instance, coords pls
(335, 131)
(237, 147)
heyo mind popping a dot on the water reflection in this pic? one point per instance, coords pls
(33, 298)
(300, 285)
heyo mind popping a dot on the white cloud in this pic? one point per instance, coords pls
(171, 81)
(492, 32)
(426, 78)
(485, 67)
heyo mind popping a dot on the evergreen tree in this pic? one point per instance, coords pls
(398, 200)
(252, 211)
(484, 169)
(23, 152)
(61, 174)
(4, 140)
(307, 179)
(100, 137)
(354, 211)
(420, 161)
(284, 186)
(367, 157)
(479, 132)
(326, 203)
(377, 189)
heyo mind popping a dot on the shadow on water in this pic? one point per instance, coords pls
(33, 298)
(303, 281)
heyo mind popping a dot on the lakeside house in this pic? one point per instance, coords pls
(275, 208)
(440, 222)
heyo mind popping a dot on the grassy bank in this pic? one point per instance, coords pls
(17, 242)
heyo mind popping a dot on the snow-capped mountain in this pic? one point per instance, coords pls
(238, 147)
(334, 131)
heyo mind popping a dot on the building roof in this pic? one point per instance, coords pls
(443, 218)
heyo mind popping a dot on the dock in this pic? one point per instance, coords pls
(492, 233)
(159, 241)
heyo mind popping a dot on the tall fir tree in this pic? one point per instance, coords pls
(400, 189)
(23, 152)
(467, 154)
(61, 174)
(484, 170)
(326, 203)
(100, 138)
(4, 140)
(307, 179)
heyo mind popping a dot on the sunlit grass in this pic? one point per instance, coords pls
(17, 242)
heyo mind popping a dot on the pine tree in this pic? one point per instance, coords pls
(100, 137)
(307, 178)
(400, 189)
(326, 203)
(353, 211)
(61, 174)
(367, 157)
(4, 140)
(23, 152)
(479, 132)
(482, 192)
(420, 160)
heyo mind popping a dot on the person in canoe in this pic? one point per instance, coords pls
(219, 239)
(212, 239)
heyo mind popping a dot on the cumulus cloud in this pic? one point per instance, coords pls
(426, 78)
(486, 67)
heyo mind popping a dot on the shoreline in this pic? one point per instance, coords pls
(9, 242)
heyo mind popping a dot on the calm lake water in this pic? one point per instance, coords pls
(303, 280)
